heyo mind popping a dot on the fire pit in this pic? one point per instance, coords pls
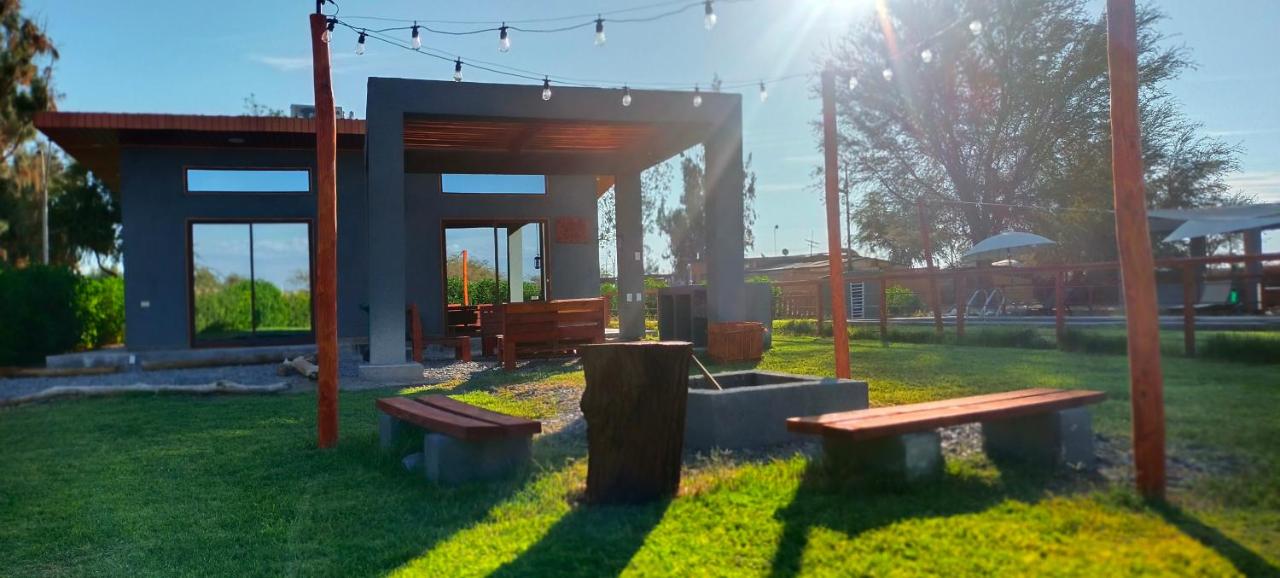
(752, 409)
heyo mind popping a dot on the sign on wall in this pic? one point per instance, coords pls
(572, 231)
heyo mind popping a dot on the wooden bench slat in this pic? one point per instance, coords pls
(957, 413)
(512, 424)
(816, 423)
(439, 420)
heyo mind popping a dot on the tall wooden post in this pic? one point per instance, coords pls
(835, 255)
(926, 242)
(326, 290)
(1133, 239)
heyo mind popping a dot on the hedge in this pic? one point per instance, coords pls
(50, 310)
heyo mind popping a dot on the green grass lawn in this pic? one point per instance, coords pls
(234, 486)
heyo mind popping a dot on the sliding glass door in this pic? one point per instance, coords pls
(250, 282)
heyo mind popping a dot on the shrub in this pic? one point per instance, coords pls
(902, 301)
(100, 309)
(1240, 347)
(37, 314)
(1092, 342)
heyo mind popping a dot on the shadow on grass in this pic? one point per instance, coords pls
(1245, 560)
(589, 541)
(827, 500)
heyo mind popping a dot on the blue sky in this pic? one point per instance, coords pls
(206, 57)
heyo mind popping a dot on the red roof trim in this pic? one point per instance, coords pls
(186, 122)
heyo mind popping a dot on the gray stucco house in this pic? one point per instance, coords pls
(217, 206)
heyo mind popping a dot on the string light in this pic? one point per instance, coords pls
(457, 70)
(626, 96)
(328, 30)
(416, 37)
(887, 74)
(709, 19)
(853, 82)
(504, 39)
(764, 92)
(600, 31)
(975, 27)
(360, 44)
(926, 55)
(697, 97)
(546, 88)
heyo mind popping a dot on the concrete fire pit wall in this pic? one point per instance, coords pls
(753, 408)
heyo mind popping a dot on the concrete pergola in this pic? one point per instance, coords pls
(422, 126)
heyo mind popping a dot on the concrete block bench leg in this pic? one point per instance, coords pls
(447, 460)
(389, 429)
(1054, 439)
(908, 457)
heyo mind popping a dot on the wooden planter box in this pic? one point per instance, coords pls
(735, 341)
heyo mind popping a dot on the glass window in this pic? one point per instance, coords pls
(248, 180)
(251, 281)
(494, 184)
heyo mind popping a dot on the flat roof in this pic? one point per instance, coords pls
(96, 138)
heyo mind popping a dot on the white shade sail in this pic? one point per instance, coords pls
(1004, 245)
(1201, 227)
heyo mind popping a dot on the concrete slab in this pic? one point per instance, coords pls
(905, 458)
(1063, 438)
(452, 461)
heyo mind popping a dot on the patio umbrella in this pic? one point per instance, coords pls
(1005, 245)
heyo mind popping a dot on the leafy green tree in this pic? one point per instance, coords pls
(26, 56)
(1015, 115)
(84, 219)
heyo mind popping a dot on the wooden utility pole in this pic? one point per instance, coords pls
(1146, 382)
(835, 256)
(326, 290)
(926, 242)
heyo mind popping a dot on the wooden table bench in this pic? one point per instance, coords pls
(462, 442)
(461, 344)
(1050, 426)
(548, 328)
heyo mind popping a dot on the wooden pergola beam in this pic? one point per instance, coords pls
(326, 289)
(1133, 239)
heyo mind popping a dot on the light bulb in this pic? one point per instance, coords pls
(600, 32)
(888, 74)
(360, 44)
(417, 37)
(457, 70)
(926, 55)
(764, 93)
(975, 27)
(709, 20)
(853, 82)
(546, 89)
(697, 97)
(504, 40)
(626, 96)
(328, 31)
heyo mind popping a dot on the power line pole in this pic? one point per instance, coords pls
(326, 290)
(43, 152)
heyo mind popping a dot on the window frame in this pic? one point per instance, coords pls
(253, 340)
(186, 179)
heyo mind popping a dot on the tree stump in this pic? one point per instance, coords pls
(634, 405)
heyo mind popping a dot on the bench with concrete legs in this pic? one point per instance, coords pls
(462, 442)
(1046, 426)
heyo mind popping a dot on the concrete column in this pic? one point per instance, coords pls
(629, 221)
(515, 265)
(1252, 285)
(726, 290)
(386, 249)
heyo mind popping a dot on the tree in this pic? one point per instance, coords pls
(1004, 128)
(26, 56)
(84, 219)
(254, 108)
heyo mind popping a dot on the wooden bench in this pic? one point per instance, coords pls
(1050, 426)
(548, 328)
(462, 442)
(461, 344)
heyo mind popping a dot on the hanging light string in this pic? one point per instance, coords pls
(583, 20)
(524, 74)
